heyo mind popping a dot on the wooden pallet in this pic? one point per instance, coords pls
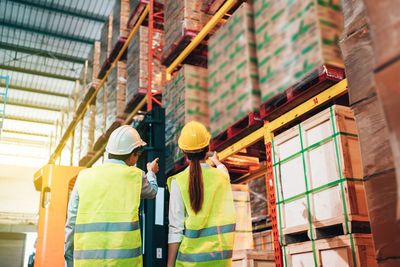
(336, 251)
(264, 240)
(198, 57)
(135, 15)
(315, 82)
(239, 129)
(252, 258)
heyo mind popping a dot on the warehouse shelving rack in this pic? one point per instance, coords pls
(3, 94)
(264, 133)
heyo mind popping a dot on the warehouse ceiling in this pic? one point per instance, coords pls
(43, 48)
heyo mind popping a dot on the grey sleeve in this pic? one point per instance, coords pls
(149, 185)
(223, 168)
(70, 227)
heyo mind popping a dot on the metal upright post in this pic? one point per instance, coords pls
(150, 59)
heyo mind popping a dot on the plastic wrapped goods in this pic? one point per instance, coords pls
(233, 77)
(105, 39)
(138, 69)
(116, 94)
(120, 21)
(185, 99)
(294, 37)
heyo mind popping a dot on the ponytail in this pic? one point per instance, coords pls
(196, 187)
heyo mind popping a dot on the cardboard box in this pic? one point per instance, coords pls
(253, 258)
(384, 21)
(105, 39)
(359, 64)
(116, 94)
(185, 98)
(293, 38)
(354, 16)
(243, 229)
(120, 21)
(138, 68)
(233, 76)
(181, 16)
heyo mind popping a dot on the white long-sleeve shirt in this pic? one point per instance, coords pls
(177, 210)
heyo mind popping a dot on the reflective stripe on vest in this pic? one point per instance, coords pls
(209, 234)
(106, 227)
(208, 256)
(107, 230)
(214, 230)
(107, 254)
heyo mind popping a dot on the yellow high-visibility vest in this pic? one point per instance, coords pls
(107, 231)
(209, 234)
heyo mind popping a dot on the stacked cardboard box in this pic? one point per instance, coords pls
(116, 94)
(369, 40)
(138, 69)
(101, 113)
(93, 63)
(182, 16)
(105, 38)
(185, 99)
(233, 76)
(294, 37)
(120, 21)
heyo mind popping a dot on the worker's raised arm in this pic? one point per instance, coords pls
(149, 180)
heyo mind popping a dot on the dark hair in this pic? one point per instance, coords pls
(196, 188)
(136, 151)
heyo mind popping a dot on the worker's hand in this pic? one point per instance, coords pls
(215, 159)
(153, 166)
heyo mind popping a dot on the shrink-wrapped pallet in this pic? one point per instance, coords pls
(93, 63)
(101, 113)
(293, 38)
(185, 99)
(105, 39)
(138, 69)
(233, 76)
(120, 21)
(319, 177)
(182, 17)
(116, 94)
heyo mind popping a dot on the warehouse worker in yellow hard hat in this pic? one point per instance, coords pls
(201, 213)
(102, 226)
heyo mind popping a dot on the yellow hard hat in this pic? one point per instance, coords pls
(194, 136)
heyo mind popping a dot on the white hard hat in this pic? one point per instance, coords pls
(124, 140)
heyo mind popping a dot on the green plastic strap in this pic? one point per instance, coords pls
(327, 139)
(342, 189)
(277, 196)
(308, 197)
(331, 184)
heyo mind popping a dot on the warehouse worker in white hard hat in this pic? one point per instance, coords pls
(202, 216)
(102, 226)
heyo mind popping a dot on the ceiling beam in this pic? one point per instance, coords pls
(40, 73)
(32, 90)
(16, 118)
(25, 133)
(23, 141)
(40, 52)
(69, 37)
(25, 105)
(92, 17)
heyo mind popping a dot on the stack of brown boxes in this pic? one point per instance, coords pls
(233, 77)
(138, 69)
(293, 38)
(120, 21)
(370, 44)
(185, 99)
(182, 18)
(105, 39)
(116, 94)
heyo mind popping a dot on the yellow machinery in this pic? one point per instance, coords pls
(54, 182)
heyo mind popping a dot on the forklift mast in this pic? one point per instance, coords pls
(153, 212)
